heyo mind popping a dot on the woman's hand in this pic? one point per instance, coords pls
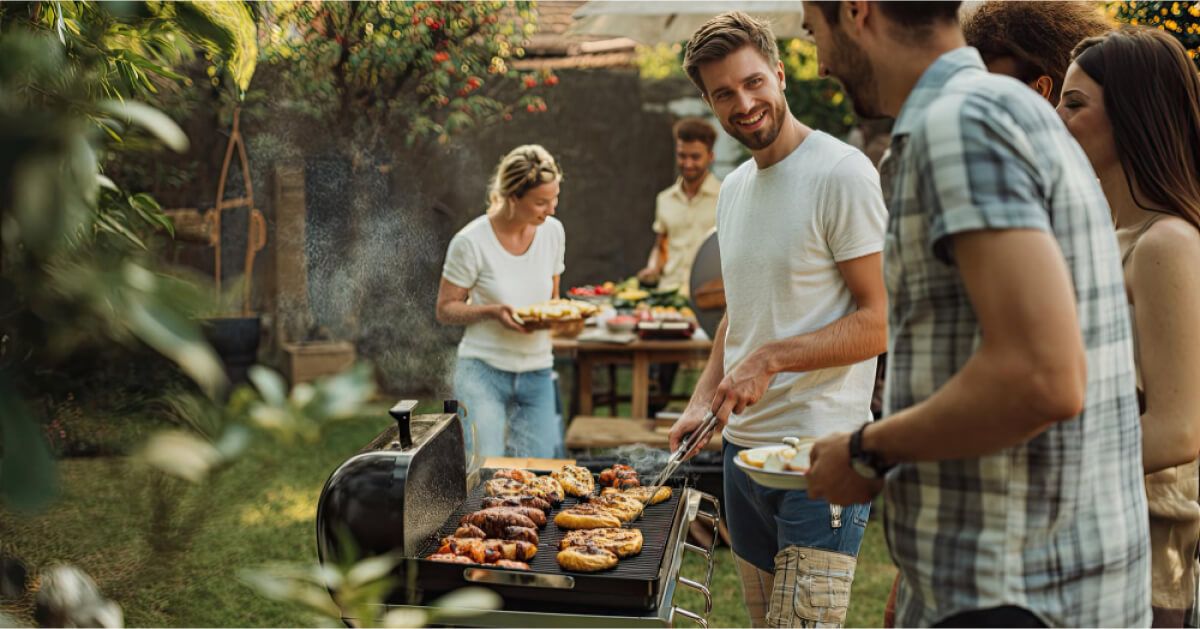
(506, 315)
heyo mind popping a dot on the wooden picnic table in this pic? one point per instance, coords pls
(639, 354)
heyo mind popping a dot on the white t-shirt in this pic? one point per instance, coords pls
(478, 262)
(782, 230)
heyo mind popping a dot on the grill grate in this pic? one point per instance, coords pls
(656, 524)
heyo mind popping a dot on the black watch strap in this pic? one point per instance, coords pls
(870, 460)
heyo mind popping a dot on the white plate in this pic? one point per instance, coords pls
(774, 480)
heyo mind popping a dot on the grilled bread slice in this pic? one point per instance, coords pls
(450, 558)
(621, 542)
(586, 559)
(647, 495)
(586, 516)
(505, 487)
(624, 507)
(575, 480)
(550, 488)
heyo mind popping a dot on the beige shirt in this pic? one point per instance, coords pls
(686, 223)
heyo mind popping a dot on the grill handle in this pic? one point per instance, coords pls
(402, 413)
(714, 518)
(520, 579)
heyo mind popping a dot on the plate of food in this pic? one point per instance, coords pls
(778, 467)
(558, 315)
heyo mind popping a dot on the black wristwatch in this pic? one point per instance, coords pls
(867, 464)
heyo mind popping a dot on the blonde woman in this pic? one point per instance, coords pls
(509, 257)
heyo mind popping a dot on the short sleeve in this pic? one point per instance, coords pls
(560, 252)
(660, 226)
(853, 215)
(976, 170)
(462, 263)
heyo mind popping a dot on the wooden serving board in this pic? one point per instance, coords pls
(611, 432)
(526, 463)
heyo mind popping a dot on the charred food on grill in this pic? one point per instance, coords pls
(551, 488)
(469, 530)
(621, 542)
(487, 550)
(586, 558)
(575, 480)
(522, 476)
(647, 495)
(586, 516)
(512, 533)
(619, 476)
(494, 522)
(624, 507)
(517, 501)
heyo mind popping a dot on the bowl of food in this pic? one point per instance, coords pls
(778, 467)
(621, 323)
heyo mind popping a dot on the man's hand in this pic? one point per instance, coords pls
(742, 387)
(649, 275)
(505, 314)
(687, 424)
(831, 477)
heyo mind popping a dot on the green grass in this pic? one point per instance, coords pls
(258, 511)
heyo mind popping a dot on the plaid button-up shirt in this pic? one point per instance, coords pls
(1056, 525)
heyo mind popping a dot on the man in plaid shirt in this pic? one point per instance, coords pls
(1011, 446)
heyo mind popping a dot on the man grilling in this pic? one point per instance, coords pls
(800, 228)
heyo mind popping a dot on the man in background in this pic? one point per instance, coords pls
(686, 212)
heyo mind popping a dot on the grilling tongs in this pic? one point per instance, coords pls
(689, 443)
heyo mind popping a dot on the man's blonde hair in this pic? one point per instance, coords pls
(524, 168)
(722, 36)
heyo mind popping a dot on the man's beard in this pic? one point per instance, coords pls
(760, 138)
(857, 76)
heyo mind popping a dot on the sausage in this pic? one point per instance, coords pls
(449, 558)
(521, 534)
(493, 522)
(514, 565)
(523, 476)
(537, 516)
(528, 500)
(469, 530)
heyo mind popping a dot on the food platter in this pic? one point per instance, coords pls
(777, 476)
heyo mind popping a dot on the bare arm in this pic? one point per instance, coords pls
(656, 261)
(554, 292)
(453, 309)
(1030, 370)
(855, 337)
(706, 388)
(1166, 297)
(860, 335)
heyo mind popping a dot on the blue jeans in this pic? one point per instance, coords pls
(764, 521)
(511, 414)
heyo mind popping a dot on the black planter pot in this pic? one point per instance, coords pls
(235, 339)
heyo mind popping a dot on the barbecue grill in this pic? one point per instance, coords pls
(409, 487)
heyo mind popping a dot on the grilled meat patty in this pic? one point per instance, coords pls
(586, 516)
(550, 488)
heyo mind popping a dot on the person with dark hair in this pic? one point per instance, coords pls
(1032, 41)
(800, 227)
(684, 215)
(685, 212)
(1010, 451)
(1132, 99)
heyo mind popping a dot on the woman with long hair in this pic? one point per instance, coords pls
(1131, 98)
(509, 257)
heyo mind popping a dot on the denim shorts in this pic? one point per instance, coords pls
(764, 521)
(507, 413)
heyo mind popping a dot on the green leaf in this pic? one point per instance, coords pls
(150, 119)
(269, 384)
(180, 454)
(176, 338)
(28, 478)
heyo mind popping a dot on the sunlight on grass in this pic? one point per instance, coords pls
(286, 504)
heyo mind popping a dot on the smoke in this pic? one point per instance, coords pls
(646, 460)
